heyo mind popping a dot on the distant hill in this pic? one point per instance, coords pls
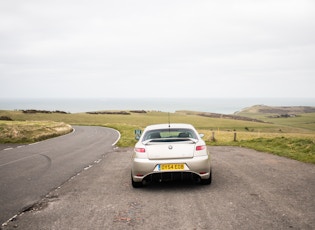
(278, 110)
(257, 113)
(220, 115)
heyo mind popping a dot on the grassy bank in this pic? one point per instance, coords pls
(293, 137)
(31, 131)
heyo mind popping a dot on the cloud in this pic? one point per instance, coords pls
(96, 47)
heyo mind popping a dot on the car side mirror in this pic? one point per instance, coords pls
(138, 134)
(201, 135)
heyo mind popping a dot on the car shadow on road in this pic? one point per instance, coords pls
(172, 185)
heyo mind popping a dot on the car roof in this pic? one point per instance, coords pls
(171, 125)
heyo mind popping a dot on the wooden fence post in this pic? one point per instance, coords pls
(234, 136)
(212, 138)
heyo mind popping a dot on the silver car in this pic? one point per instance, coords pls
(170, 152)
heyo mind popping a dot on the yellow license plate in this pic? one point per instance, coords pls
(167, 167)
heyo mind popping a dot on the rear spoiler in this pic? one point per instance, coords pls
(158, 140)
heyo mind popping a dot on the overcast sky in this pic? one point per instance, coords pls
(161, 48)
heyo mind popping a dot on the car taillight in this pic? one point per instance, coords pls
(200, 147)
(140, 150)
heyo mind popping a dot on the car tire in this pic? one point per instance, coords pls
(207, 181)
(136, 184)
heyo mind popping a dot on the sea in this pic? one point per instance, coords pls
(214, 105)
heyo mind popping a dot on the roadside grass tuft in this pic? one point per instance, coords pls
(295, 148)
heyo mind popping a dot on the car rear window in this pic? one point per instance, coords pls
(170, 133)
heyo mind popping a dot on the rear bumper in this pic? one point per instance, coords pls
(145, 168)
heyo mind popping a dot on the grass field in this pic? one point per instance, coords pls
(291, 137)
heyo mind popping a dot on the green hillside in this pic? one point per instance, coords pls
(251, 128)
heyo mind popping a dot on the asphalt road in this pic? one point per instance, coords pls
(250, 190)
(29, 172)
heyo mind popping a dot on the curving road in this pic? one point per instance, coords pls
(27, 173)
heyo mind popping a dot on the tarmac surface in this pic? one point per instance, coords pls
(250, 190)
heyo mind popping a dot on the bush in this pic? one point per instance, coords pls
(6, 118)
